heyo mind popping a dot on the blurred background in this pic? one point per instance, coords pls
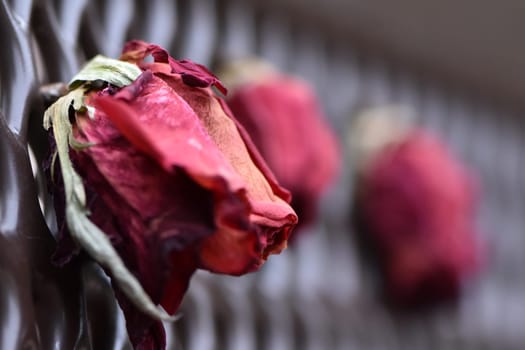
(457, 65)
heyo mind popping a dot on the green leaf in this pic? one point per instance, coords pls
(84, 231)
(118, 73)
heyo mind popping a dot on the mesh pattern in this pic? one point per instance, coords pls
(318, 295)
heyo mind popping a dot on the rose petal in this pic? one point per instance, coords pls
(282, 116)
(193, 74)
(417, 203)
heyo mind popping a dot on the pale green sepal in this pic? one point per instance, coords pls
(79, 146)
(115, 72)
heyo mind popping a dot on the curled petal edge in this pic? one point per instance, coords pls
(193, 74)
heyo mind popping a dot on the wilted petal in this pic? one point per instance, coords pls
(193, 74)
(417, 203)
(285, 121)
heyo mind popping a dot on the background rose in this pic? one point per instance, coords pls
(176, 183)
(417, 205)
(285, 121)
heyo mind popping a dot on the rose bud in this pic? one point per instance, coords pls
(282, 115)
(170, 178)
(416, 205)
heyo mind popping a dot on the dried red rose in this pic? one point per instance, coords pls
(176, 183)
(285, 121)
(417, 205)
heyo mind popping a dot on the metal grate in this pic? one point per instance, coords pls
(317, 295)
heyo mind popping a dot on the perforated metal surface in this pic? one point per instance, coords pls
(318, 294)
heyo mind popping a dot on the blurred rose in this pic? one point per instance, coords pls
(283, 117)
(417, 204)
(176, 183)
